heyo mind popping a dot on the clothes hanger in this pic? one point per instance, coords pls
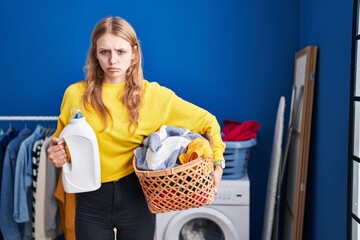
(10, 129)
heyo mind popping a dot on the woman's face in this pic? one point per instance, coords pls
(114, 55)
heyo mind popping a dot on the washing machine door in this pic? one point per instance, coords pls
(201, 224)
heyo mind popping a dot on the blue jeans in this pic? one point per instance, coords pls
(120, 204)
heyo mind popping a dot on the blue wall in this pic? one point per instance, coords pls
(234, 58)
(328, 24)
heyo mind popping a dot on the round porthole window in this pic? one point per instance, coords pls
(201, 224)
(201, 229)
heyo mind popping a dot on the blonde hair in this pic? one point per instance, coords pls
(94, 74)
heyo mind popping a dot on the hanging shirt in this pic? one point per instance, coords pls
(23, 182)
(4, 141)
(10, 229)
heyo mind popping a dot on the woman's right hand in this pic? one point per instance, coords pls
(57, 153)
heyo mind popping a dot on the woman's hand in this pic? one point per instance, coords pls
(218, 171)
(57, 153)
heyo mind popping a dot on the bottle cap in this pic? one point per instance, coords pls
(76, 113)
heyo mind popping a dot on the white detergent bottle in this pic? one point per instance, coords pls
(82, 173)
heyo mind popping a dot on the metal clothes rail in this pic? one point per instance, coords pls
(28, 118)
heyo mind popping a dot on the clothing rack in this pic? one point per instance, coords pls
(28, 118)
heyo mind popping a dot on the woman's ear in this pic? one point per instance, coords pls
(133, 52)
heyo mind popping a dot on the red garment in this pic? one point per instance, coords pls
(237, 131)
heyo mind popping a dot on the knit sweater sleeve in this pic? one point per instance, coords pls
(163, 104)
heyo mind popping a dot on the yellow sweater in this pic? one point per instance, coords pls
(161, 106)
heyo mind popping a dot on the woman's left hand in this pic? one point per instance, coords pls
(218, 171)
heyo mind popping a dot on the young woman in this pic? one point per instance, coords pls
(123, 108)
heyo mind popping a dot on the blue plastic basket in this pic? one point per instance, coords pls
(236, 156)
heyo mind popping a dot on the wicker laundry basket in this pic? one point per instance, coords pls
(190, 185)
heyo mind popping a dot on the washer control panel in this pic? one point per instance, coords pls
(234, 192)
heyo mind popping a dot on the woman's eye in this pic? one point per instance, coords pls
(120, 52)
(104, 52)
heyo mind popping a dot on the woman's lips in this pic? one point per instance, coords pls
(113, 69)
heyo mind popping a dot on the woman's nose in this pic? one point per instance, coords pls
(112, 59)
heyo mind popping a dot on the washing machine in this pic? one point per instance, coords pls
(228, 218)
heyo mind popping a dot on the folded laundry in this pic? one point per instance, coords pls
(239, 131)
(161, 149)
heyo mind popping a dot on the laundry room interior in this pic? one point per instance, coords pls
(235, 59)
